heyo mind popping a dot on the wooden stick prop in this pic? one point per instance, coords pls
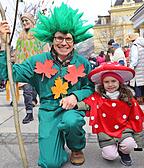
(12, 86)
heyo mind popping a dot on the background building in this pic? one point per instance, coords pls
(115, 25)
(138, 20)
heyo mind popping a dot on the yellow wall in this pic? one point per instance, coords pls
(119, 26)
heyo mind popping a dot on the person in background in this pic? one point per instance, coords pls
(110, 50)
(26, 46)
(114, 114)
(60, 79)
(92, 60)
(110, 43)
(137, 63)
(126, 51)
(2, 85)
(118, 55)
(101, 58)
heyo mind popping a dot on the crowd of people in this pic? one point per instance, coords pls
(69, 89)
(131, 56)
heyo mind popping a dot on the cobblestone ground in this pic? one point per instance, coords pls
(11, 138)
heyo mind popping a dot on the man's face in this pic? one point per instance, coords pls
(63, 44)
(27, 24)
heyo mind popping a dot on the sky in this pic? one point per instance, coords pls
(91, 8)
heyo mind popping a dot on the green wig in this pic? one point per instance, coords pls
(63, 19)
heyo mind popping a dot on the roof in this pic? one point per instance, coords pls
(120, 2)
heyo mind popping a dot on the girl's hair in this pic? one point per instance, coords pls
(125, 93)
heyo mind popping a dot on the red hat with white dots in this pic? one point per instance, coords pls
(114, 69)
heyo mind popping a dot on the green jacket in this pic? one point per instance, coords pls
(25, 73)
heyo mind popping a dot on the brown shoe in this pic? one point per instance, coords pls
(77, 158)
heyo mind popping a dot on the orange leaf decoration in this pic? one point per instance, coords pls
(59, 88)
(46, 68)
(74, 73)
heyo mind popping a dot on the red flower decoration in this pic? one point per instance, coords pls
(73, 73)
(45, 69)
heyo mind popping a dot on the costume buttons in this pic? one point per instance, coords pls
(137, 117)
(113, 104)
(104, 115)
(124, 116)
(116, 127)
(93, 98)
(96, 126)
(92, 117)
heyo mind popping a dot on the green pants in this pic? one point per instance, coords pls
(54, 131)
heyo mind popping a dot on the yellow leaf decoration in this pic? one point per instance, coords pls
(60, 88)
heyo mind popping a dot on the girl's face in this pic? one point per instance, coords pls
(111, 84)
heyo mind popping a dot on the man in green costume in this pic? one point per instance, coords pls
(60, 79)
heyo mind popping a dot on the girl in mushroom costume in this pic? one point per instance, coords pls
(115, 116)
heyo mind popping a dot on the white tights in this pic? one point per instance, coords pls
(126, 146)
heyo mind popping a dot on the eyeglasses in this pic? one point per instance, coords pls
(60, 39)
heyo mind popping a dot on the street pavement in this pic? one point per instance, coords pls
(9, 149)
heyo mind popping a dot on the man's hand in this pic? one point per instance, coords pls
(4, 27)
(68, 102)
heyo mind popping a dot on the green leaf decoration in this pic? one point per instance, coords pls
(27, 44)
(31, 44)
(22, 44)
(35, 48)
